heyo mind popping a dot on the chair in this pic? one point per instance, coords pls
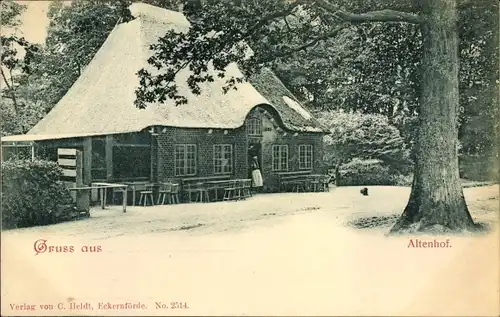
(240, 189)
(285, 186)
(188, 190)
(211, 187)
(164, 194)
(299, 186)
(174, 193)
(247, 188)
(314, 184)
(116, 191)
(145, 194)
(202, 193)
(325, 183)
(230, 191)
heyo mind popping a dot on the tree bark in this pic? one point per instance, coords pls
(436, 201)
(337, 175)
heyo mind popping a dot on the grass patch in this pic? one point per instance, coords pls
(373, 222)
(468, 184)
(270, 214)
(189, 227)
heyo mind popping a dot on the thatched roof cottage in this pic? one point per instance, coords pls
(214, 134)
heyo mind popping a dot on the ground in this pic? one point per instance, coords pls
(274, 254)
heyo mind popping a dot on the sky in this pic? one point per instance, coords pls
(35, 21)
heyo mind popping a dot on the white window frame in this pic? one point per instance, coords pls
(254, 126)
(183, 171)
(305, 160)
(217, 161)
(282, 148)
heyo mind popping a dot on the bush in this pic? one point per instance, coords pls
(355, 135)
(31, 193)
(401, 180)
(479, 168)
(370, 172)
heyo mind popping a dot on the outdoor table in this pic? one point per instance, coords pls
(136, 186)
(220, 185)
(103, 186)
(317, 177)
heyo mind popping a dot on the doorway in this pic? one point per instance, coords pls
(254, 149)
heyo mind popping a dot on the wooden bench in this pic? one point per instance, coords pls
(196, 185)
(287, 178)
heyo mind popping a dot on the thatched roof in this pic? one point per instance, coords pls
(101, 101)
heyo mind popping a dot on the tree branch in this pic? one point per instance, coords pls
(304, 46)
(380, 16)
(254, 28)
(270, 17)
(11, 90)
(373, 16)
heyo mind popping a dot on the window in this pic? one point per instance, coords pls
(280, 158)
(223, 158)
(185, 159)
(130, 163)
(131, 157)
(305, 157)
(98, 159)
(254, 126)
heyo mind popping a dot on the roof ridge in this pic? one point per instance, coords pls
(149, 12)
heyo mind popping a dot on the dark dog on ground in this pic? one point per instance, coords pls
(364, 191)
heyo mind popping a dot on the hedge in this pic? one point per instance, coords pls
(370, 172)
(32, 193)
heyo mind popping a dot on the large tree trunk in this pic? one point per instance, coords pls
(436, 199)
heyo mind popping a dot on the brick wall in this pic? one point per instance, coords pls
(163, 160)
(293, 142)
(273, 135)
(204, 143)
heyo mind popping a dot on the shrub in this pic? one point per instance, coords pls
(479, 168)
(364, 172)
(363, 136)
(371, 172)
(401, 180)
(31, 193)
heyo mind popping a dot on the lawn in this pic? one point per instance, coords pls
(274, 254)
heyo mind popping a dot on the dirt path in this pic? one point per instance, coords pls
(288, 254)
(343, 204)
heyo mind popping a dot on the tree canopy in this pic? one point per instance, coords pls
(362, 136)
(17, 57)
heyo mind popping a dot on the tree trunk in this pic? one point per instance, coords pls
(337, 175)
(436, 201)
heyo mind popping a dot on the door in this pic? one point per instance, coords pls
(254, 149)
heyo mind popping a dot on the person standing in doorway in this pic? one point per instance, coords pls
(257, 181)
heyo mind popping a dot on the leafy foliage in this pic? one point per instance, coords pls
(75, 33)
(479, 81)
(10, 13)
(346, 72)
(16, 58)
(20, 121)
(215, 43)
(31, 193)
(354, 135)
(364, 172)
